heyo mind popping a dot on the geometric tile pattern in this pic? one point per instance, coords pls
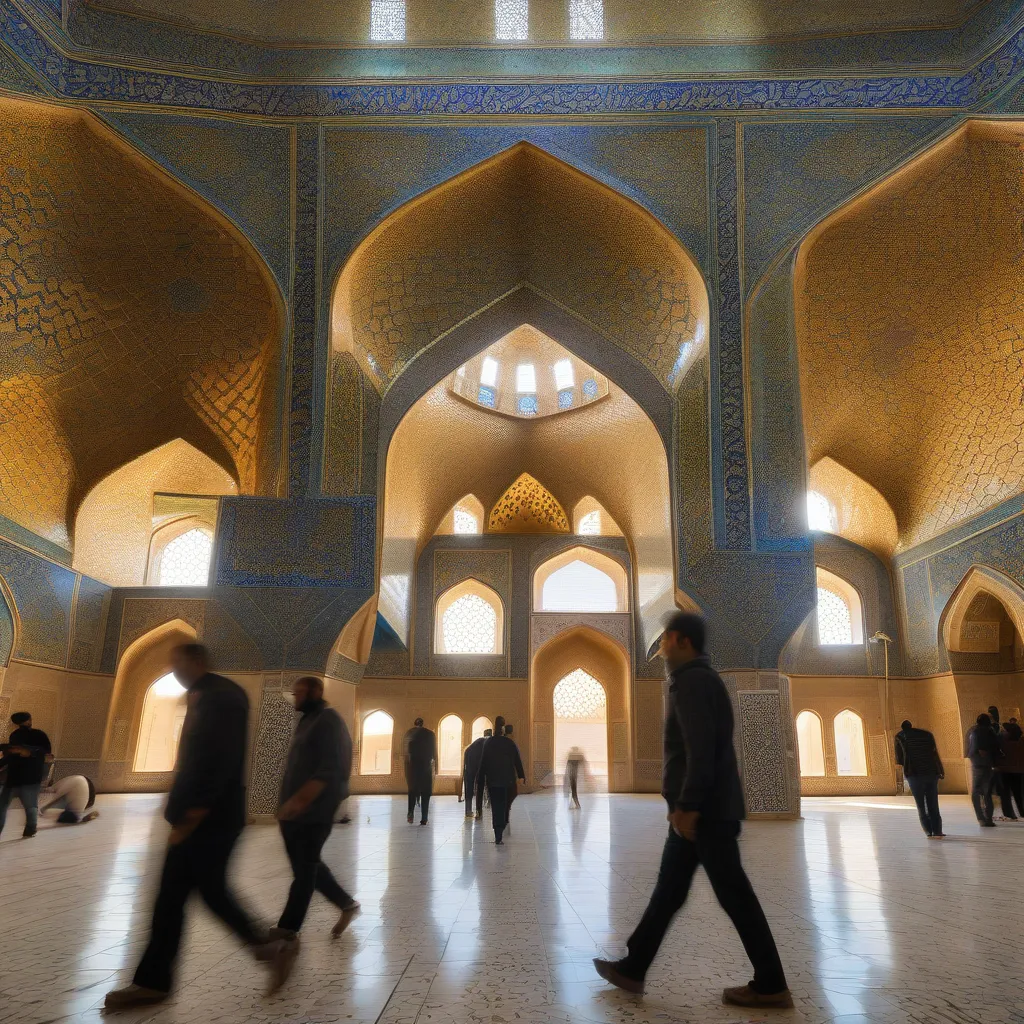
(527, 507)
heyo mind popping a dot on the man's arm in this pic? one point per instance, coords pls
(940, 770)
(519, 763)
(325, 742)
(694, 710)
(901, 754)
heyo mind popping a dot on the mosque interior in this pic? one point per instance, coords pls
(441, 349)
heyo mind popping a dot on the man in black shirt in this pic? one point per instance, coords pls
(500, 765)
(206, 811)
(922, 768)
(470, 767)
(316, 778)
(24, 756)
(420, 751)
(701, 785)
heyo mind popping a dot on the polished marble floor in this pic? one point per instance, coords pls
(874, 922)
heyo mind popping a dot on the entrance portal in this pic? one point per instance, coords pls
(581, 729)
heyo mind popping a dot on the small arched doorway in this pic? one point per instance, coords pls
(163, 716)
(581, 728)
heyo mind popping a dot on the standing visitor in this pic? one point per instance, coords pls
(500, 765)
(76, 794)
(24, 756)
(983, 750)
(1012, 766)
(701, 784)
(206, 811)
(999, 781)
(316, 779)
(513, 791)
(420, 749)
(470, 768)
(922, 768)
(573, 763)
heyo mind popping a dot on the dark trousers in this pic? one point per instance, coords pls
(1014, 783)
(983, 781)
(303, 843)
(926, 795)
(717, 849)
(423, 795)
(1005, 798)
(471, 786)
(499, 809)
(200, 862)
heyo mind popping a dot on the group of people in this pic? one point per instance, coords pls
(26, 764)
(997, 768)
(491, 764)
(206, 812)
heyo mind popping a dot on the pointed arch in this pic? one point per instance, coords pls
(861, 513)
(376, 743)
(980, 579)
(9, 624)
(840, 614)
(466, 516)
(527, 506)
(810, 739)
(581, 579)
(591, 519)
(850, 739)
(469, 618)
(449, 745)
(356, 638)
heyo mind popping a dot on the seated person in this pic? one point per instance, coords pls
(76, 794)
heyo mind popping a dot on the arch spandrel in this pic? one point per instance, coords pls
(168, 326)
(520, 218)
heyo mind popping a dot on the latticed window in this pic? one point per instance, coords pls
(835, 623)
(590, 524)
(465, 522)
(821, 513)
(579, 697)
(564, 377)
(810, 744)
(511, 19)
(387, 20)
(590, 388)
(851, 758)
(526, 378)
(586, 19)
(469, 626)
(185, 561)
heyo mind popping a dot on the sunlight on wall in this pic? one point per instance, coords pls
(375, 758)
(449, 745)
(811, 743)
(851, 758)
(581, 723)
(163, 716)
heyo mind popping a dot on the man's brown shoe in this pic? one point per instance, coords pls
(746, 996)
(611, 973)
(343, 922)
(133, 995)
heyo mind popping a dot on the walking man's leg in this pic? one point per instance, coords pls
(304, 856)
(468, 794)
(29, 795)
(988, 790)
(982, 803)
(412, 805)
(5, 802)
(479, 799)
(918, 784)
(931, 802)
(497, 794)
(1003, 792)
(425, 803)
(720, 854)
(210, 850)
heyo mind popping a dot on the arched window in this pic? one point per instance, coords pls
(821, 513)
(580, 580)
(851, 758)
(480, 725)
(840, 619)
(465, 517)
(163, 715)
(590, 524)
(185, 561)
(811, 744)
(375, 757)
(586, 19)
(468, 620)
(387, 20)
(464, 521)
(511, 19)
(449, 745)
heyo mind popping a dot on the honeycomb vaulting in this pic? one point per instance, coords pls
(911, 333)
(129, 315)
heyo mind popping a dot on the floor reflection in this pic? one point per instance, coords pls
(875, 924)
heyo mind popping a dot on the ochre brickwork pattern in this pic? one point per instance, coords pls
(911, 375)
(522, 217)
(129, 315)
(527, 507)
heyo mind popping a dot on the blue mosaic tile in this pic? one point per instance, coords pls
(566, 398)
(527, 405)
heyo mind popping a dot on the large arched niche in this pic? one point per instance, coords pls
(115, 522)
(144, 661)
(521, 218)
(908, 311)
(140, 315)
(604, 659)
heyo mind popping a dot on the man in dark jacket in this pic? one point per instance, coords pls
(316, 778)
(500, 766)
(701, 785)
(24, 756)
(470, 768)
(922, 768)
(206, 811)
(983, 749)
(1012, 767)
(420, 749)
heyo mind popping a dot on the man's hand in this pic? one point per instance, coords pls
(189, 823)
(684, 823)
(290, 810)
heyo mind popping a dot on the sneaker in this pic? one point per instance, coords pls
(609, 970)
(133, 995)
(746, 996)
(345, 920)
(282, 963)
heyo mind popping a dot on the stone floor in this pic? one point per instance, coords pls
(874, 922)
